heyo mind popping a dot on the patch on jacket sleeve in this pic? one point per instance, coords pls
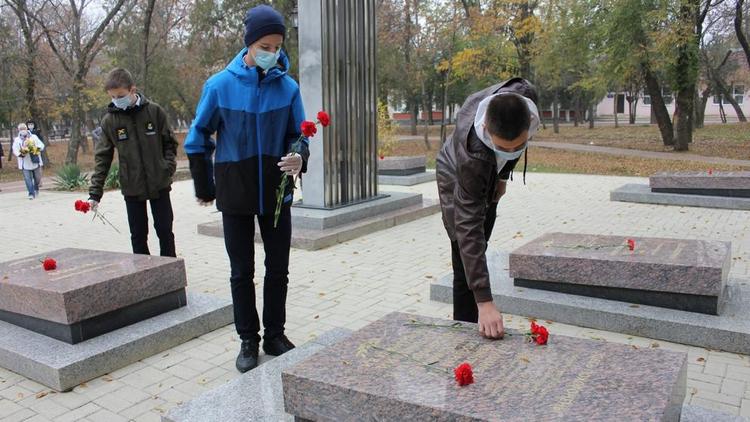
(150, 130)
(122, 134)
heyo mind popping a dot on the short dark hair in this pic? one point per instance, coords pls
(507, 116)
(119, 78)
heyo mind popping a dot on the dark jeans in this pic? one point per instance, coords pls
(161, 211)
(239, 238)
(464, 304)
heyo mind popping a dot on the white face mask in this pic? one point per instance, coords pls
(510, 156)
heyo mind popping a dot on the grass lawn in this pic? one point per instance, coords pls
(559, 161)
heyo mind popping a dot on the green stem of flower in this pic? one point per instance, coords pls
(411, 358)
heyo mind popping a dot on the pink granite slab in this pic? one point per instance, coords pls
(86, 283)
(701, 180)
(698, 267)
(569, 379)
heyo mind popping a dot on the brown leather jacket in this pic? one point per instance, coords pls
(467, 179)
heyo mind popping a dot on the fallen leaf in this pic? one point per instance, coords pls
(19, 396)
(42, 394)
(316, 317)
(524, 359)
(107, 378)
(701, 360)
(634, 346)
(654, 345)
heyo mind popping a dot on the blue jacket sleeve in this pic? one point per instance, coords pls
(206, 122)
(296, 117)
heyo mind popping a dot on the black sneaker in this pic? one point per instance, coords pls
(277, 346)
(248, 357)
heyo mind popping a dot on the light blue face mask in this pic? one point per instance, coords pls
(266, 60)
(122, 103)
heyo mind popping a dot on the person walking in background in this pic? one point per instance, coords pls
(27, 148)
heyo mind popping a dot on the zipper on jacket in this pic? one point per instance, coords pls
(260, 156)
(140, 154)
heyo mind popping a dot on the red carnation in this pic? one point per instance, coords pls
(631, 244)
(309, 129)
(49, 264)
(464, 375)
(541, 335)
(82, 206)
(710, 171)
(324, 118)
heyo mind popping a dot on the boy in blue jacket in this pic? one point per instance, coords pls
(256, 111)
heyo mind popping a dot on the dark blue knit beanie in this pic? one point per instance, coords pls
(261, 21)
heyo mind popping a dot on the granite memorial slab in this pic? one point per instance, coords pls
(729, 332)
(719, 183)
(89, 293)
(402, 166)
(642, 194)
(683, 274)
(62, 366)
(400, 368)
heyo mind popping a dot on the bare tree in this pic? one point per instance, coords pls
(738, 29)
(76, 42)
(31, 39)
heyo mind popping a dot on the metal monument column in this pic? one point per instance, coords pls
(337, 41)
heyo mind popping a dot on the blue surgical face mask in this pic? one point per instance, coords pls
(266, 60)
(122, 103)
(510, 156)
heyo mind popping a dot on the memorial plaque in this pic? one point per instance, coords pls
(90, 292)
(400, 368)
(683, 274)
(720, 183)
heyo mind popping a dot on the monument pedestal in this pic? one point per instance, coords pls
(689, 275)
(95, 313)
(729, 190)
(729, 332)
(401, 368)
(315, 228)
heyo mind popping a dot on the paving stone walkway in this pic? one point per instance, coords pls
(349, 285)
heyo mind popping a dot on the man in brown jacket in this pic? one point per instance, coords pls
(492, 131)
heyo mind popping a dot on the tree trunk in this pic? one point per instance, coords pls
(683, 125)
(425, 113)
(75, 131)
(726, 94)
(555, 113)
(146, 35)
(591, 115)
(444, 108)
(739, 31)
(614, 109)
(658, 108)
(414, 113)
(700, 109)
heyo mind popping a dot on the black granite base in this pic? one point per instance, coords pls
(101, 324)
(711, 305)
(402, 172)
(731, 193)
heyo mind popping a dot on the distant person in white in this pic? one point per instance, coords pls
(29, 163)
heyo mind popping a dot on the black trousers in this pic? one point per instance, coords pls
(239, 235)
(464, 304)
(161, 210)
